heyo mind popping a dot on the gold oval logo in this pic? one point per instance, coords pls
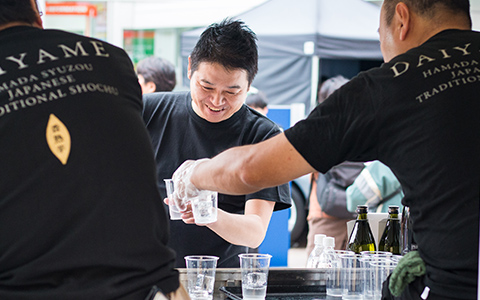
(58, 139)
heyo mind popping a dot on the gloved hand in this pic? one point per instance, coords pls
(184, 189)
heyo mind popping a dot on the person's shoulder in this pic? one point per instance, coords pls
(163, 105)
(71, 44)
(167, 97)
(254, 115)
(73, 35)
(259, 123)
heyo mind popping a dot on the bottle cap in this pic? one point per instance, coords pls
(319, 239)
(393, 209)
(329, 242)
(361, 209)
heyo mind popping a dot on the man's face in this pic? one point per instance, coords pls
(217, 93)
(387, 39)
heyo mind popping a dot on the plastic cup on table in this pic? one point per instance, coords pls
(201, 276)
(367, 257)
(378, 272)
(254, 268)
(334, 284)
(376, 253)
(354, 277)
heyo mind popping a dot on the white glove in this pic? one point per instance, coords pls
(184, 189)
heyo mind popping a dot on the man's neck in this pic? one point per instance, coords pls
(13, 24)
(431, 27)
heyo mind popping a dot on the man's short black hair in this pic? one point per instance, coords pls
(231, 44)
(17, 11)
(428, 8)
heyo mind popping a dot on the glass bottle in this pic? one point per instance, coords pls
(314, 257)
(361, 238)
(406, 231)
(391, 237)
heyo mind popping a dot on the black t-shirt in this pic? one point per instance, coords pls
(179, 134)
(418, 114)
(80, 213)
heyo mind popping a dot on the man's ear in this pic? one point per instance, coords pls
(403, 18)
(189, 73)
(150, 87)
(38, 21)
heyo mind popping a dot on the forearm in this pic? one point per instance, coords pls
(246, 169)
(225, 173)
(243, 230)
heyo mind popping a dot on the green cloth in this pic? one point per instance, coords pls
(409, 267)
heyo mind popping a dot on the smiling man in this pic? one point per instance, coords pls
(207, 120)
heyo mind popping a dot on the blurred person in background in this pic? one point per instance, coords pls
(258, 101)
(156, 74)
(343, 187)
(80, 213)
(340, 176)
(209, 119)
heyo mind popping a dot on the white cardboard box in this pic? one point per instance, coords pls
(377, 223)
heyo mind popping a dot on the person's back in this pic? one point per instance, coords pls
(80, 214)
(418, 114)
(429, 136)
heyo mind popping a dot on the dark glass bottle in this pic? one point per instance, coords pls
(391, 237)
(361, 238)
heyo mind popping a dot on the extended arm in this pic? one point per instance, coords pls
(246, 169)
(246, 229)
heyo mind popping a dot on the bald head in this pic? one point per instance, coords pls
(409, 23)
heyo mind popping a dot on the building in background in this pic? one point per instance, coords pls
(142, 27)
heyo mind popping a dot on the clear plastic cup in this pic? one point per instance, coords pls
(173, 210)
(376, 253)
(334, 284)
(367, 257)
(354, 277)
(201, 276)
(254, 267)
(378, 273)
(204, 207)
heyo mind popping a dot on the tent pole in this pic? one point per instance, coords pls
(314, 81)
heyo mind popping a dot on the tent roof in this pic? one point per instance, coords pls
(323, 17)
(328, 18)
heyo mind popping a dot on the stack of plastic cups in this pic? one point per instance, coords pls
(377, 265)
(380, 269)
(354, 277)
(335, 274)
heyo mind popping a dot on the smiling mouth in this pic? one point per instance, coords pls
(214, 109)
